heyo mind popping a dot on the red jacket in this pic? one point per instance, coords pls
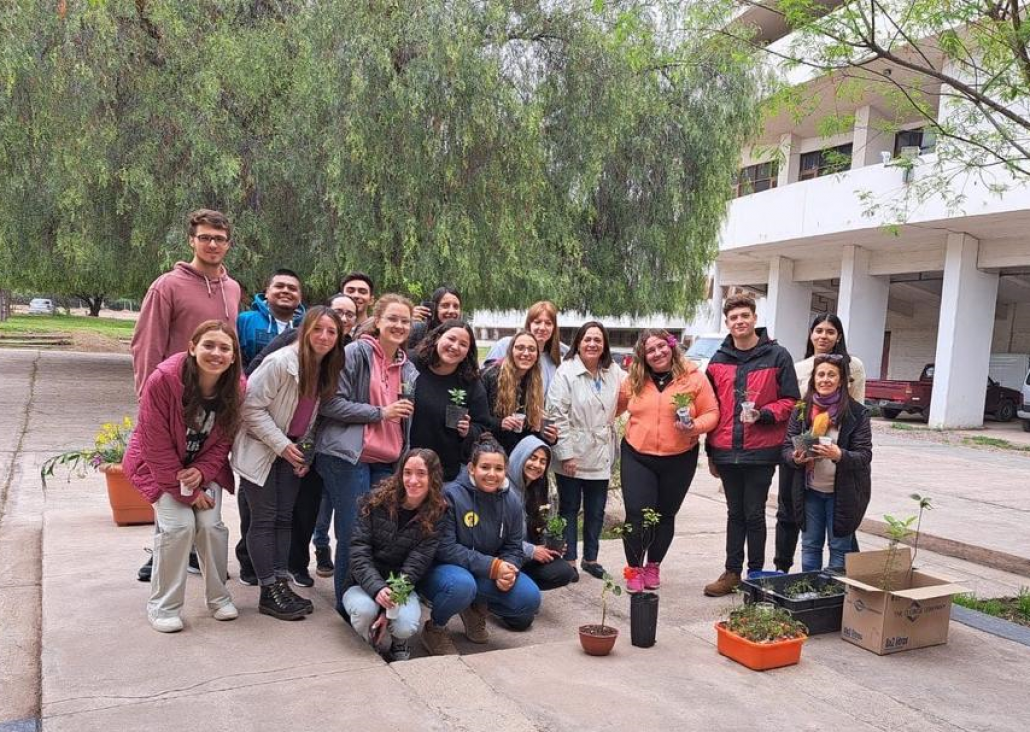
(157, 448)
(765, 374)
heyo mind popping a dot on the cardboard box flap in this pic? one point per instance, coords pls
(858, 584)
(871, 564)
(930, 592)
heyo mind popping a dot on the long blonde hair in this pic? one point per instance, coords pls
(508, 385)
(638, 369)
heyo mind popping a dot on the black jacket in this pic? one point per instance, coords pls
(378, 547)
(852, 484)
(508, 440)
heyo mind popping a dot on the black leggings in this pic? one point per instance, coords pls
(658, 482)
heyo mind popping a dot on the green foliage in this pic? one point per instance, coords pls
(61, 324)
(400, 587)
(457, 396)
(109, 448)
(609, 587)
(516, 150)
(763, 622)
(1015, 609)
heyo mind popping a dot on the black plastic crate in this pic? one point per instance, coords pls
(820, 614)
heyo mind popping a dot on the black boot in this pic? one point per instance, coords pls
(323, 562)
(144, 572)
(275, 601)
(302, 602)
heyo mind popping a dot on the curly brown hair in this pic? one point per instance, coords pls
(389, 493)
(638, 369)
(508, 386)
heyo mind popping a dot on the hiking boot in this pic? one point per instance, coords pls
(323, 562)
(302, 602)
(194, 564)
(399, 650)
(652, 578)
(437, 641)
(474, 618)
(302, 578)
(277, 603)
(635, 583)
(726, 584)
(144, 572)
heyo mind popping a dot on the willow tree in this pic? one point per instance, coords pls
(579, 151)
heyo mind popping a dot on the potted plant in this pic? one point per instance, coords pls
(400, 590)
(682, 402)
(761, 636)
(554, 529)
(598, 640)
(814, 434)
(456, 410)
(643, 606)
(748, 413)
(127, 505)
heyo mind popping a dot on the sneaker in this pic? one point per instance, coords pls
(194, 566)
(474, 618)
(323, 562)
(248, 577)
(635, 583)
(227, 611)
(652, 578)
(166, 625)
(144, 572)
(302, 578)
(277, 603)
(726, 584)
(301, 602)
(399, 650)
(437, 641)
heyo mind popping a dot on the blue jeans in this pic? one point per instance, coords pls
(593, 495)
(451, 589)
(320, 538)
(819, 528)
(345, 483)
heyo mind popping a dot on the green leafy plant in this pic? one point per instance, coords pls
(682, 400)
(649, 521)
(553, 523)
(924, 505)
(764, 623)
(609, 588)
(898, 530)
(457, 396)
(109, 447)
(400, 587)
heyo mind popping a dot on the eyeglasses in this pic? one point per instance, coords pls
(394, 320)
(208, 238)
(347, 315)
(524, 349)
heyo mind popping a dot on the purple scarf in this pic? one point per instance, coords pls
(832, 404)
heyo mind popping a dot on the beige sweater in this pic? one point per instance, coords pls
(857, 371)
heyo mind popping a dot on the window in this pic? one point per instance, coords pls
(924, 138)
(756, 178)
(825, 162)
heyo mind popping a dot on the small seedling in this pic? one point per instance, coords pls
(457, 396)
(400, 587)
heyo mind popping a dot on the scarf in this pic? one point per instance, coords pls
(831, 404)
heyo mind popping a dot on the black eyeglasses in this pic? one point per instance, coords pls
(208, 238)
(834, 358)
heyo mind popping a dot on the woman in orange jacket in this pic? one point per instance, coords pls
(671, 404)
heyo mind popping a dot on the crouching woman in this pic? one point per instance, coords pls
(479, 556)
(178, 458)
(396, 533)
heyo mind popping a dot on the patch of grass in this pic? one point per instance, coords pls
(67, 324)
(1014, 609)
(903, 427)
(994, 442)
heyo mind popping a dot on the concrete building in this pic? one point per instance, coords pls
(951, 285)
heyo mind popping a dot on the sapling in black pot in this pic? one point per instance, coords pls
(456, 410)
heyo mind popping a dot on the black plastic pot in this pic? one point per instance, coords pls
(454, 414)
(819, 614)
(554, 542)
(643, 619)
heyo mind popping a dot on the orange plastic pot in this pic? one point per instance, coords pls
(758, 656)
(128, 507)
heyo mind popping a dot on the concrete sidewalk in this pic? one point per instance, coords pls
(77, 653)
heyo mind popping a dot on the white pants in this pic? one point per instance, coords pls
(179, 528)
(363, 611)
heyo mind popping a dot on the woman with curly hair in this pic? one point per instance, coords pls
(515, 393)
(447, 366)
(396, 533)
(659, 451)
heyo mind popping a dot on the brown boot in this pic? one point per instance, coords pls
(726, 584)
(474, 618)
(437, 640)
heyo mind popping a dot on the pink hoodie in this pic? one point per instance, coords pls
(176, 303)
(384, 439)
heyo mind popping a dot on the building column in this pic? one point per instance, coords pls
(788, 307)
(968, 299)
(862, 307)
(790, 160)
(870, 138)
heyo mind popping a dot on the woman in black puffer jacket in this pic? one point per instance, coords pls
(396, 532)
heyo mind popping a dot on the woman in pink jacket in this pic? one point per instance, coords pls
(178, 459)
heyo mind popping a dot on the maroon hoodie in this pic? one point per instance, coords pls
(176, 303)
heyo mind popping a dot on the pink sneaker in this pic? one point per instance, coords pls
(635, 583)
(651, 578)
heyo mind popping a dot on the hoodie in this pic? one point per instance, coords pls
(257, 327)
(480, 527)
(532, 496)
(176, 303)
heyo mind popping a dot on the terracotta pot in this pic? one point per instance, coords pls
(128, 507)
(758, 656)
(598, 641)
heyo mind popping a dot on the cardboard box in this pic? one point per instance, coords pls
(914, 614)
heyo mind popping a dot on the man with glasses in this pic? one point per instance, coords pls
(180, 300)
(312, 512)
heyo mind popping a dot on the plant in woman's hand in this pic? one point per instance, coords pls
(457, 396)
(400, 588)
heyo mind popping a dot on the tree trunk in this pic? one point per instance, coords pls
(93, 303)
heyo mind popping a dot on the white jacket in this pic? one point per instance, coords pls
(272, 394)
(583, 411)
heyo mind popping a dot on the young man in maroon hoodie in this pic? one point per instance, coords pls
(180, 300)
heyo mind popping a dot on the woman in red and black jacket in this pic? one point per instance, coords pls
(756, 387)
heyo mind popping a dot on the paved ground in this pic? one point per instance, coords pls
(76, 651)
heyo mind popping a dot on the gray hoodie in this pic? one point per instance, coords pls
(516, 463)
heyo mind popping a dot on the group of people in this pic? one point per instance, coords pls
(374, 415)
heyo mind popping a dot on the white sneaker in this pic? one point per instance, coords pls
(166, 625)
(227, 611)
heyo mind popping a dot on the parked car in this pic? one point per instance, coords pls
(894, 397)
(1024, 410)
(41, 306)
(703, 348)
